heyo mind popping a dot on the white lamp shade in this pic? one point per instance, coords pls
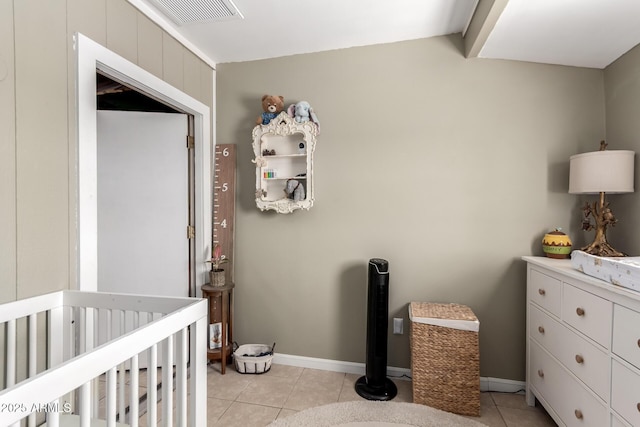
(608, 171)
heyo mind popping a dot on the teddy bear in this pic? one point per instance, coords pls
(272, 106)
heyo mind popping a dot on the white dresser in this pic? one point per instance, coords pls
(583, 346)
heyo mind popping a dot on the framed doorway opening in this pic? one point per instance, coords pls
(93, 58)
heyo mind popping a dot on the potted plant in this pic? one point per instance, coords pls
(217, 275)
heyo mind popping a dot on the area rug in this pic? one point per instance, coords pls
(374, 414)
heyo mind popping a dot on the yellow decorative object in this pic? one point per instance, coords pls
(556, 244)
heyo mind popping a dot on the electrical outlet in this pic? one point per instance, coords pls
(398, 325)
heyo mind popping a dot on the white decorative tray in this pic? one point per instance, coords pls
(620, 271)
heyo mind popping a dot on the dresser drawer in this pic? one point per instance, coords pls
(588, 313)
(625, 392)
(545, 291)
(545, 329)
(573, 403)
(580, 356)
(545, 374)
(617, 422)
(587, 361)
(626, 334)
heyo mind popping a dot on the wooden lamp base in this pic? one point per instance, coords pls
(603, 216)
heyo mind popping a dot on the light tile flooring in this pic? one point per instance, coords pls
(256, 400)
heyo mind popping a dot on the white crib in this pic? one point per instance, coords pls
(75, 358)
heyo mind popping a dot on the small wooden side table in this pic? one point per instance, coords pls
(221, 310)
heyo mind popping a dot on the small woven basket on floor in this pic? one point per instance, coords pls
(445, 359)
(253, 358)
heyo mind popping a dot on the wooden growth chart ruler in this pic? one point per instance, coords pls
(224, 203)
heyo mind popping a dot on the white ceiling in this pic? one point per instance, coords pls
(584, 33)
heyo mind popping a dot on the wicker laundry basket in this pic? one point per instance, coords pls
(253, 358)
(445, 360)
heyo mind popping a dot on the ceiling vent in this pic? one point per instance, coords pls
(193, 11)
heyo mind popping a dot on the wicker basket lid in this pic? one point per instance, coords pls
(454, 316)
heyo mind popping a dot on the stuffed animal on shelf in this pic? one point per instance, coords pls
(303, 112)
(294, 190)
(271, 106)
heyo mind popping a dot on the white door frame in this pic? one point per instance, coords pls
(92, 57)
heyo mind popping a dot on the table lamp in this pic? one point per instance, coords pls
(600, 172)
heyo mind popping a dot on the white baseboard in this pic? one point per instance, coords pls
(486, 383)
(502, 385)
(333, 365)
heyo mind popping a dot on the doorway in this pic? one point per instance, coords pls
(143, 212)
(145, 185)
(93, 58)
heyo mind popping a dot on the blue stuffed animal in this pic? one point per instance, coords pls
(303, 112)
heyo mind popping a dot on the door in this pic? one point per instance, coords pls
(142, 203)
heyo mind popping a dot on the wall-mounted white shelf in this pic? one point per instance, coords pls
(283, 151)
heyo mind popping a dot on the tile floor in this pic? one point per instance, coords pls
(256, 400)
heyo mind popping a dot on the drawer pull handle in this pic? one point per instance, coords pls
(578, 413)
(579, 359)
(638, 406)
(541, 329)
(639, 342)
(540, 373)
(541, 291)
(580, 311)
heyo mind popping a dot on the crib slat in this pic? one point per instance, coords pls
(122, 383)
(121, 375)
(11, 356)
(109, 328)
(57, 341)
(109, 325)
(181, 378)
(53, 418)
(133, 393)
(82, 329)
(33, 356)
(167, 381)
(33, 339)
(56, 336)
(134, 396)
(88, 324)
(85, 404)
(95, 384)
(111, 397)
(198, 368)
(152, 391)
(11, 352)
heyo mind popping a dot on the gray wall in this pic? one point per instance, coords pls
(450, 168)
(37, 124)
(7, 156)
(622, 88)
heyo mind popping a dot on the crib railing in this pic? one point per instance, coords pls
(73, 353)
